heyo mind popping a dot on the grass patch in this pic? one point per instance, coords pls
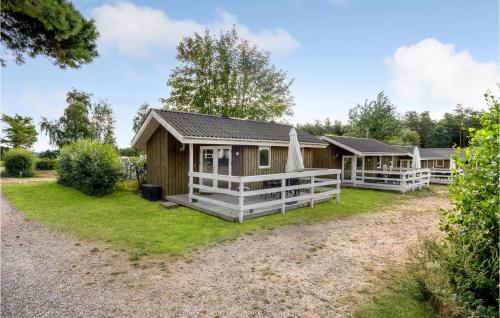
(421, 289)
(398, 297)
(140, 227)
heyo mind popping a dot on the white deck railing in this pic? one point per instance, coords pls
(441, 176)
(402, 180)
(312, 186)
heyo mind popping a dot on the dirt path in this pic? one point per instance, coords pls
(294, 271)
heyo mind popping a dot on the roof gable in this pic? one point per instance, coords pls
(365, 146)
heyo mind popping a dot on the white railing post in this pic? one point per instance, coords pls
(312, 192)
(241, 201)
(337, 196)
(283, 195)
(363, 171)
(403, 181)
(190, 195)
(414, 179)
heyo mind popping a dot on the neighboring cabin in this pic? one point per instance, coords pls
(357, 156)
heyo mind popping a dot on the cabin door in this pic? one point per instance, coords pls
(348, 173)
(215, 160)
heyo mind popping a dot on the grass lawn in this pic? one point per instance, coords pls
(132, 224)
(397, 296)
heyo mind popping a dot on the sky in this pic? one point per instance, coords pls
(426, 55)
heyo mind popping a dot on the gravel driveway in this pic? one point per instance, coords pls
(292, 271)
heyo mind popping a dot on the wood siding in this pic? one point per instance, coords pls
(168, 161)
(156, 159)
(248, 161)
(432, 164)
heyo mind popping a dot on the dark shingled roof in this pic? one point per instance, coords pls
(367, 145)
(439, 153)
(192, 125)
(408, 149)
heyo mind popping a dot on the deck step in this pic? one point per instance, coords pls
(169, 205)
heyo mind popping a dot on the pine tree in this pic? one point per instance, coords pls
(53, 28)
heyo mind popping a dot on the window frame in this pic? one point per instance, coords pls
(268, 158)
(441, 165)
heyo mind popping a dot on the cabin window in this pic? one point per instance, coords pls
(264, 157)
(440, 163)
(405, 163)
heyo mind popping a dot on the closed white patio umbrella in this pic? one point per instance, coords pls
(415, 164)
(294, 161)
(453, 165)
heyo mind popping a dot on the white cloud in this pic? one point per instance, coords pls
(140, 30)
(433, 76)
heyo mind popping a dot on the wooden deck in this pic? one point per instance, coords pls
(233, 214)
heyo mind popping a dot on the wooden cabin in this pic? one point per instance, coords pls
(370, 163)
(440, 162)
(192, 155)
(221, 145)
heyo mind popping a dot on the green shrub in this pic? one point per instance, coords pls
(473, 225)
(92, 167)
(139, 167)
(19, 162)
(45, 164)
(49, 154)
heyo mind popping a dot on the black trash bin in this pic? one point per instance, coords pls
(151, 192)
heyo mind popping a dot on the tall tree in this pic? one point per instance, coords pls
(225, 75)
(453, 128)
(103, 122)
(376, 119)
(82, 119)
(326, 127)
(421, 123)
(19, 131)
(407, 137)
(140, 116)
(53, 28)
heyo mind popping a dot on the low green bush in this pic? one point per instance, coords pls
(91, 167)
(49, 154)
(45, 164)
(19, 162)
(139, 167)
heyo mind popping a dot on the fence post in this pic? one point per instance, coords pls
(312, 192)
(191, 179)
(403, 181)
(337, 196)
(241, 201)
(283, 195)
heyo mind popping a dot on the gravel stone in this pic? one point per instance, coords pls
(305, 270)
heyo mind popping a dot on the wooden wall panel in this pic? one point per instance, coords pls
(168, 161)
(157, 159)
(178, 167)
(279, 156)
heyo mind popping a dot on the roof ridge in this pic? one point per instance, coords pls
(353, 137)
(220, 116)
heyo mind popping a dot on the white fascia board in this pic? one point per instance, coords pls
(161, 121)
(141, 130)
(386, 154)
(247, 142)
(338, 144)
